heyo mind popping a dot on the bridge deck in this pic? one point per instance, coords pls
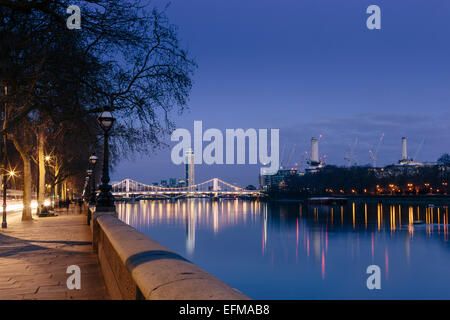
(212, 187)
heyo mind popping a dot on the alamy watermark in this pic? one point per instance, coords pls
(74, 20)
(374, 280)
(74, 280)
(231, 151)
(373, 22)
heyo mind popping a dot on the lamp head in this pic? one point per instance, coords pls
(106, 120)
(93, 159)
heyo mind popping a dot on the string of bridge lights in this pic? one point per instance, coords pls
(138, 184)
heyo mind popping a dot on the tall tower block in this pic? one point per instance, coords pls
(189, 167)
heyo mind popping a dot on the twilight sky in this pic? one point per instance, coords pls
(310, 67)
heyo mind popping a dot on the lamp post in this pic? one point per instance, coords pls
(85, 189)
(6, 176)
(88, 193)
(49, 159)
(105, 200)
(88, 185)
(4, 162)
(4, 181)
(93, 161)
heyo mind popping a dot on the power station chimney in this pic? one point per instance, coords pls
(314, 151)
(404, 149)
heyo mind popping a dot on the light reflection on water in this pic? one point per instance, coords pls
(293, 251)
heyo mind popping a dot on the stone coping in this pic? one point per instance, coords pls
(158, 272)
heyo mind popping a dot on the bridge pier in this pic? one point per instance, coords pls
(215, 197)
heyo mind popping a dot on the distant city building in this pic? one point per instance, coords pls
(172, 182)
(279, 179)
(163, 183)
(397, 170)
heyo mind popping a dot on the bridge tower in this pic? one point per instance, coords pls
(215, 197)
(127, 187)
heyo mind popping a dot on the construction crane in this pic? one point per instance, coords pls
(323, 159)
(351, 155)
(282, 156)
(302, 162)
(418, 149)
(374, 154)
(288, 163)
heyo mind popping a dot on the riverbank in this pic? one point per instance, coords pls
(34, 256)
(422, 199)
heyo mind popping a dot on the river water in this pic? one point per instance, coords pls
(292, 251)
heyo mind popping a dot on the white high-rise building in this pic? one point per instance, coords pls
(189, 168)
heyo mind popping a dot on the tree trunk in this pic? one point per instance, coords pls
(56, 187)
(55, 197)
(64, 192)
(26, 211)
(41, 160)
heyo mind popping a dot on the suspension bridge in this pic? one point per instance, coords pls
(213, 188)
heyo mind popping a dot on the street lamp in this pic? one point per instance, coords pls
(105, 200)
(88, 186)
(4, 162)
(6, 175)
(4, 223)
(85, 189)
(52, 162)
(93, 161)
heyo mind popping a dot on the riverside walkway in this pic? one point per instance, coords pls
(34, 256)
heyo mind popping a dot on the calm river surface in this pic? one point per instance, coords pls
(289, 251)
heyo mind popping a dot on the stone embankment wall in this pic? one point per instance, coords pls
(137, 267)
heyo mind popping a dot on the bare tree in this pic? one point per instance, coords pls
(127, 56)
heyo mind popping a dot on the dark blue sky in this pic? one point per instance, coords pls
(311, 67)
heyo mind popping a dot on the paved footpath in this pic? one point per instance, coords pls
(34, 257)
